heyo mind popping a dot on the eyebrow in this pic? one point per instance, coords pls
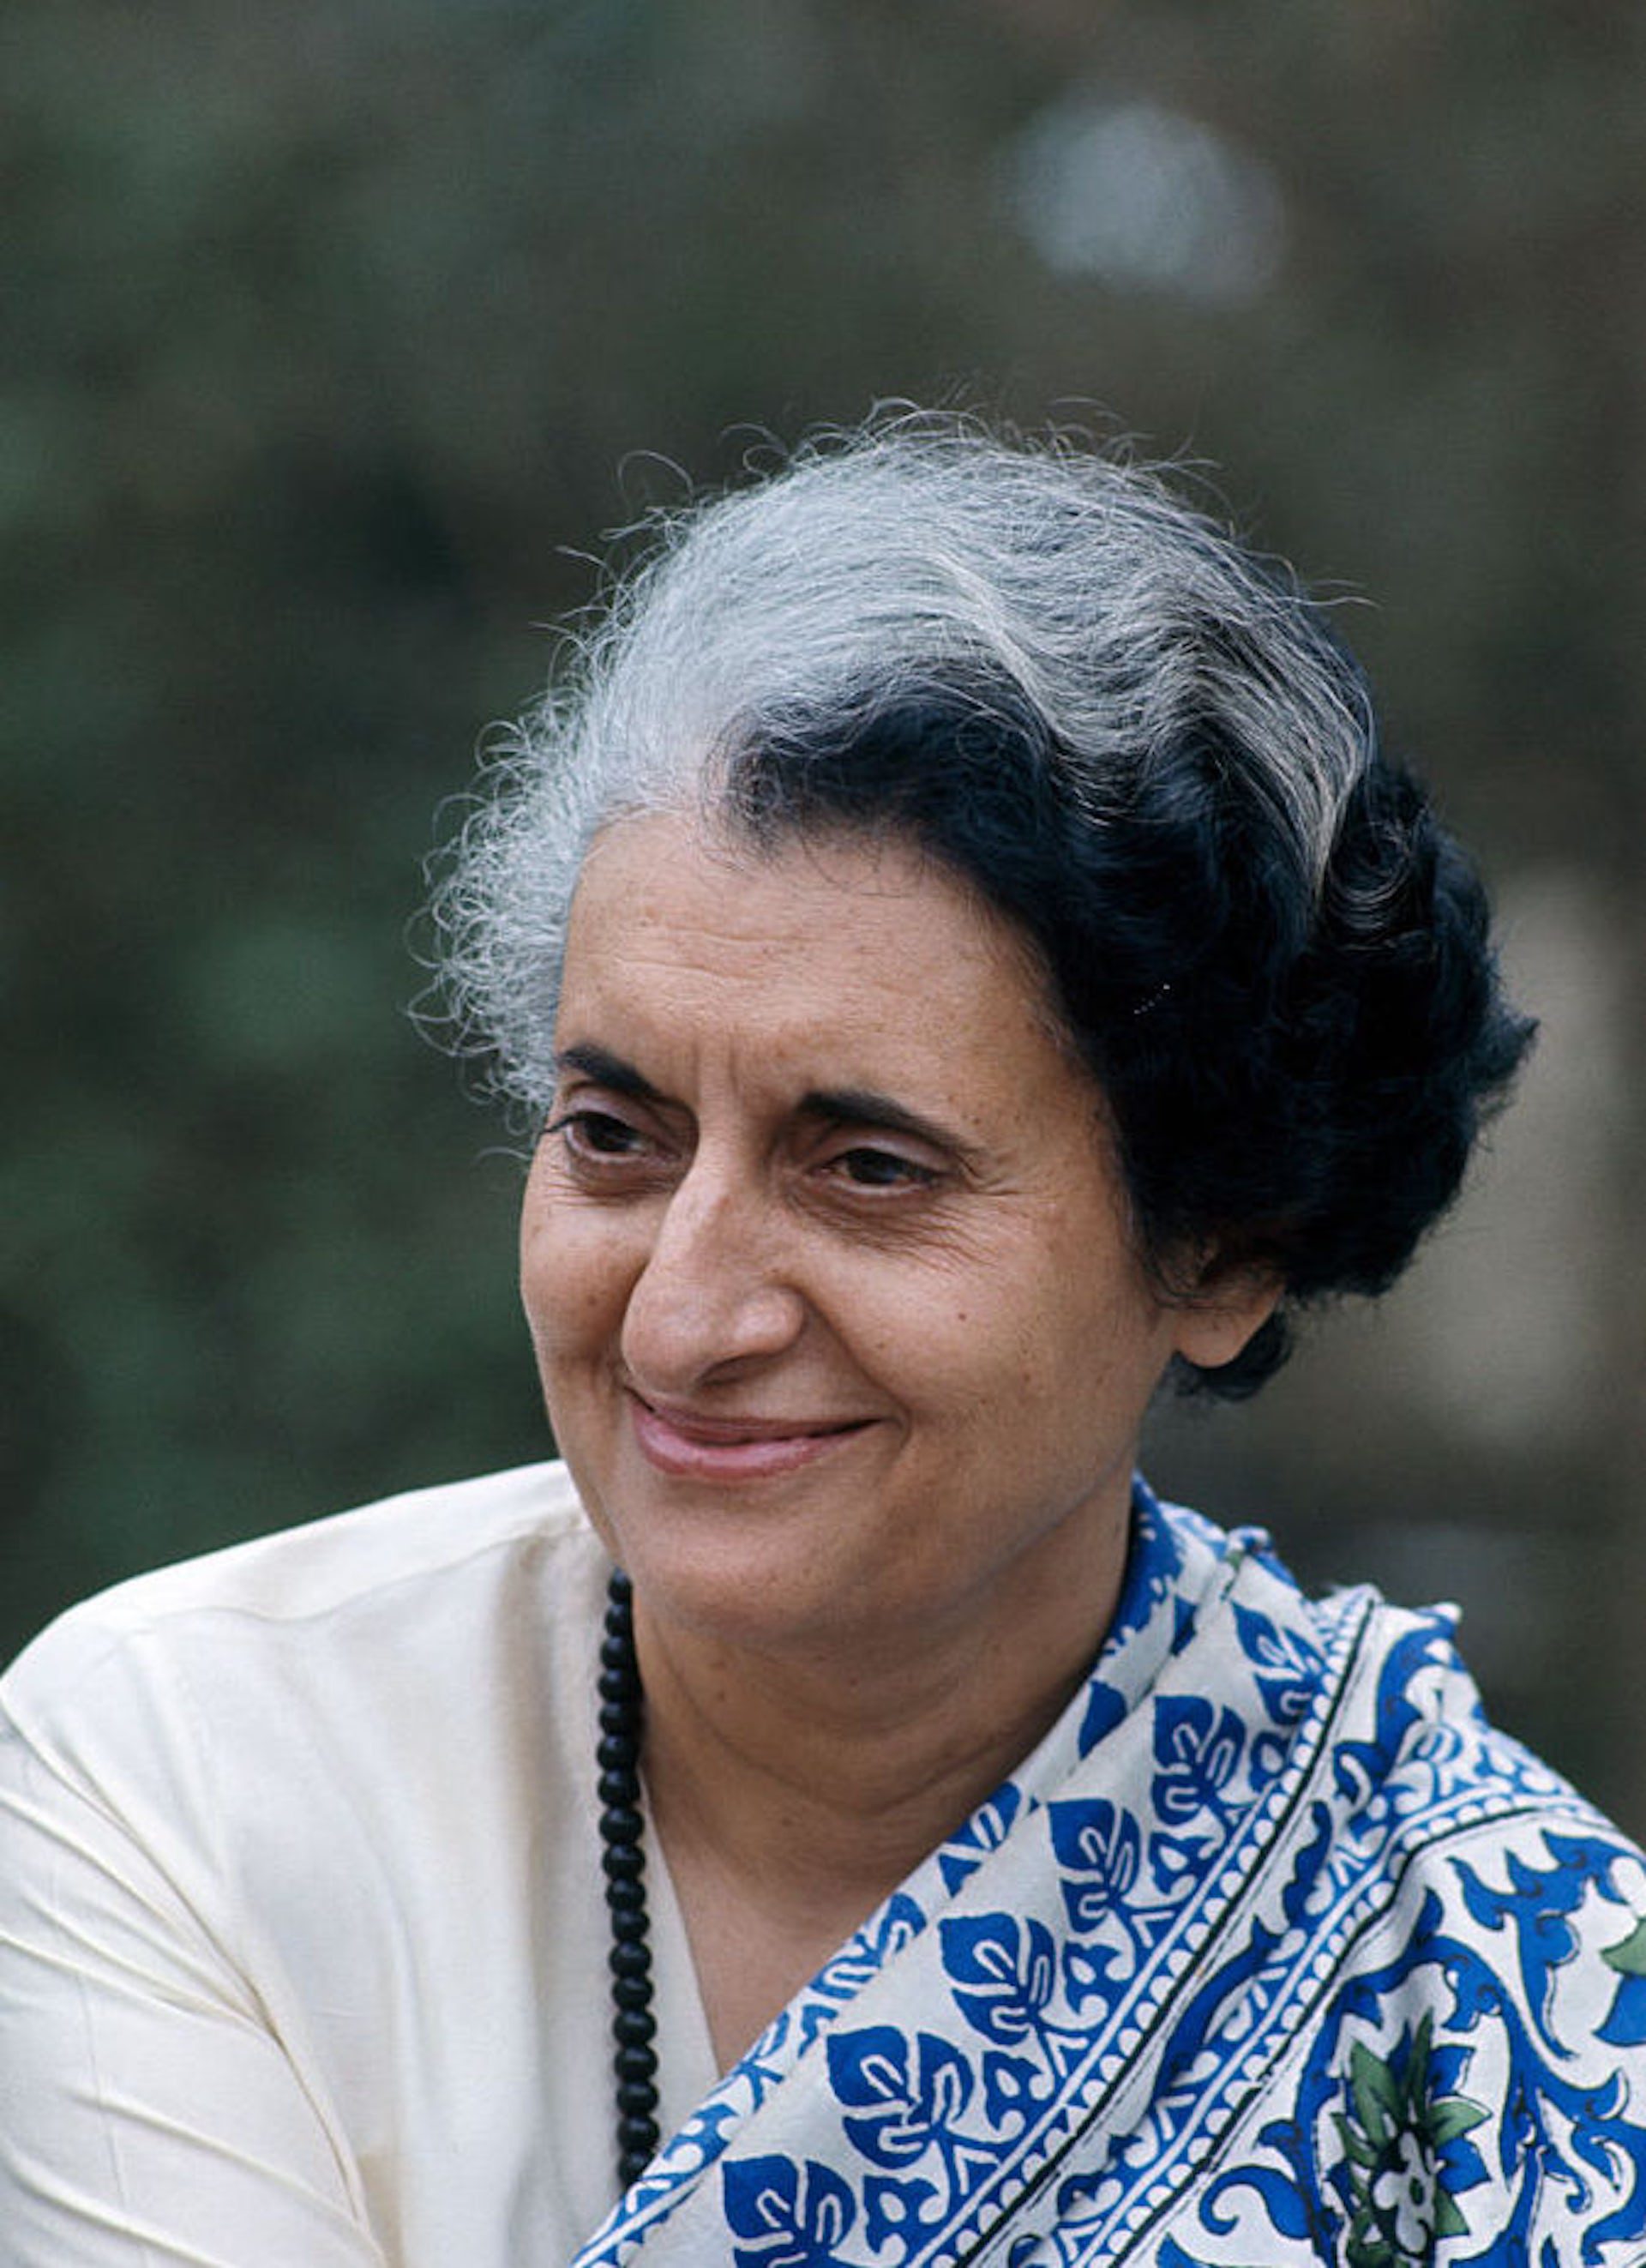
(606, 1070)
(866, 1106)
(834, 1106)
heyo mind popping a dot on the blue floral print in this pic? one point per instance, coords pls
(1273, 1952)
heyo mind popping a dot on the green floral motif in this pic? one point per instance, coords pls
(1397, 2134)
(1625, 2024)
(1629, 1958)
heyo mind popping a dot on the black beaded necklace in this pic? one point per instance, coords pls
(634, 2027)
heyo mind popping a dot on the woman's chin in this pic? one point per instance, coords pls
(750, 1557)
(750, 1592)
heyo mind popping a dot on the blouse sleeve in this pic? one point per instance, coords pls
(149, 2115)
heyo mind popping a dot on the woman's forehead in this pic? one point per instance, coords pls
(868, 908)
(842, 958)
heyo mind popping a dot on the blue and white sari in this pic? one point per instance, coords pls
(1273, 1952)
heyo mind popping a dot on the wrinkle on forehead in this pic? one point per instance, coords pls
(691, 933)
(873, 864)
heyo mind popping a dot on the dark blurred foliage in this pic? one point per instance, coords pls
(338, 333)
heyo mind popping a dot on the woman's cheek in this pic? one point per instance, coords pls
(579, 1268)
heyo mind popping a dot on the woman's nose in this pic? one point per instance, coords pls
(712, 1298)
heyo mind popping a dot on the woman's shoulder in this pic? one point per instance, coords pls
(251, 1808)
(432, 1559)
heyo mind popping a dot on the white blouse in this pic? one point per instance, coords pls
(302, 1936)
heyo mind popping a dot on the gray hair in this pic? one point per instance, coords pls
(917, 549)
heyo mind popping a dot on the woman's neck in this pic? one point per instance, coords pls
(792, 1796)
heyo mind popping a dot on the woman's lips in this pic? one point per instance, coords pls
(691, 1447)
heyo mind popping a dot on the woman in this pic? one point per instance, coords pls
(969, 961)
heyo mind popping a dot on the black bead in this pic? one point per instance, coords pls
(623, 1831)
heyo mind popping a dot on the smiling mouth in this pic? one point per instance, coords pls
(691, 1447)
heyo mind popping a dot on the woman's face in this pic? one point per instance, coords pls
(823, 1252)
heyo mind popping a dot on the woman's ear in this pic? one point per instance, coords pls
(1213, 1323)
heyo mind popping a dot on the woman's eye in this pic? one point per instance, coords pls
(597, 1134)
(867, 1168)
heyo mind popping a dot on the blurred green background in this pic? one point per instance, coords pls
(337, 334)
